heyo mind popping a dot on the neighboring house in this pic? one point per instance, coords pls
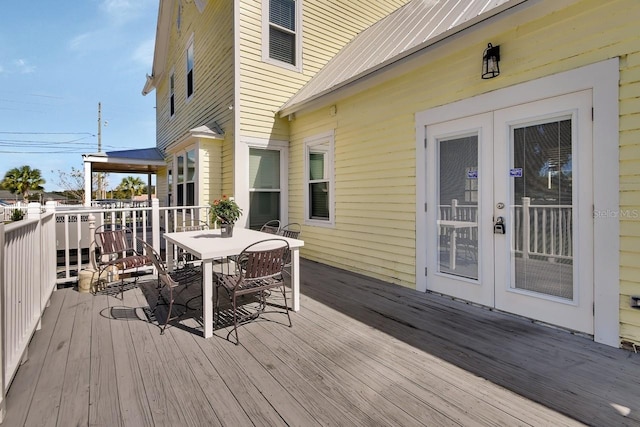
(518, 193)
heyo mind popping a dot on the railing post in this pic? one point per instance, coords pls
(526, 229)
(454, 209)
(92, 242)
(33, 210)
(155, 224)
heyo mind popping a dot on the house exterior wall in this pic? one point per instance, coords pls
(212, 34)
(263, 87)
(375, 172)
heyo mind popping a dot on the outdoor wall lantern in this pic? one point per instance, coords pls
(490, 60)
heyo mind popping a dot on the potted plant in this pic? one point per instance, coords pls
(225, 212)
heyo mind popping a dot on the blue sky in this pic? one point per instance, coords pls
(58, 59)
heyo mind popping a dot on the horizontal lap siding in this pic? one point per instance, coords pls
(213, 72)
(375, 139)
(264, 88)
(630, 191)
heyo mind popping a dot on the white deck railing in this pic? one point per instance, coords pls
(74, 235)
(51, 246)
(27, 279)
(541, 230)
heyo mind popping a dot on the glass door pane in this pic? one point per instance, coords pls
(458, 206)
(542, 208)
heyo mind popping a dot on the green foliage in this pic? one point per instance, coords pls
(17, 215)
(130, 186)
(225, 210)
(23, 181)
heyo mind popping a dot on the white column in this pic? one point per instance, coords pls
(87, 183)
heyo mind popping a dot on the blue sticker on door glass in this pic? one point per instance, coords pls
(472, 174)
(515, 173)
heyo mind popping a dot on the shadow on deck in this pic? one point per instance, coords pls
(360, 352)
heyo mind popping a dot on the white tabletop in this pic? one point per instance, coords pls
(209, 244)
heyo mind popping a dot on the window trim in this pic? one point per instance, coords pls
(283, 148)
(190, 46)
(298, 38)
(195, 181)
(172, 93)
(327, 137)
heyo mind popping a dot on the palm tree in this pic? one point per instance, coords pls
(132, 186)
(22, 181)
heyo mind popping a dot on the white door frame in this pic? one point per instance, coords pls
(602, 78)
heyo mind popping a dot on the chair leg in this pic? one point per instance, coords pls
(286, 306)
(166, 322)
(235, 318)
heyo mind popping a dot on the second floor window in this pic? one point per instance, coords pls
(283, 32)
(172, 98)
(190, 70)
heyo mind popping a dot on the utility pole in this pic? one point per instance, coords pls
(99, 192)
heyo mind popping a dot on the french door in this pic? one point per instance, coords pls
(509, 223)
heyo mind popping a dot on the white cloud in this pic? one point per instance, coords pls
(23, 67)
(122, 11)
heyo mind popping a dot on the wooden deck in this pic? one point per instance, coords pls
(360, 352)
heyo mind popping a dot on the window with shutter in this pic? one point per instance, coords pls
(282, 33)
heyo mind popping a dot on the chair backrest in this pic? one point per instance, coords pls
(113, 240)
(292, 230)
(151, 253)
(263, 259)
(271, 227)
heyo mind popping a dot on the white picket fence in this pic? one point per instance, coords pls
(539, 230)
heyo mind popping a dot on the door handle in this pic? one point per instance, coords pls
(499, 226)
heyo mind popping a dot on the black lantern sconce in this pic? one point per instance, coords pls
(490, 60)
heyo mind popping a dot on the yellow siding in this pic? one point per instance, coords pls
(375, 138)
(161, 186)
(212, 33)
(210, 164)
(327, 26)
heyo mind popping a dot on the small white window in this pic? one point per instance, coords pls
(172, 93)
(190, 63)
(186, 178)
(282, 33)
(319, 180)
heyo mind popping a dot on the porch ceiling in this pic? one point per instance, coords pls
(146, 160)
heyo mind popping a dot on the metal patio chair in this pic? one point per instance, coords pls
(117, 255)
(292, 231)
(260, 270)
(170, 285)
(271, 227)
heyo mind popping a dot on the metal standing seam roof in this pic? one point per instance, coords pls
(414, 25)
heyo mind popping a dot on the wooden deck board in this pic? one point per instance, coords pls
(74, 403)
(24, 385)
(360, 352)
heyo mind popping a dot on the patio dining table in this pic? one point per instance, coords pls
(209, 245)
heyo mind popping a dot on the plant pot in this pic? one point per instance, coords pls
(226, 230)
